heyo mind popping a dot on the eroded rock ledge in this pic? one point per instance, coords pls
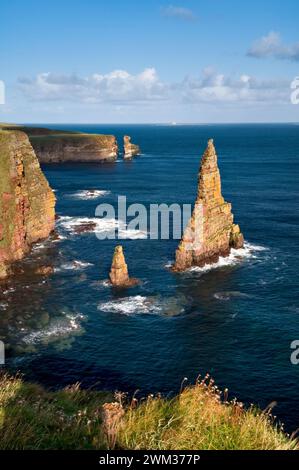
(211, 231)
(27, 202)
(56, 146)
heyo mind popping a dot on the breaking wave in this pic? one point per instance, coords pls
(235, 257)
(139, 304)
(75, 265)
(89, 194)
(100, 226)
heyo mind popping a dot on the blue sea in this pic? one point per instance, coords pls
(235, 320)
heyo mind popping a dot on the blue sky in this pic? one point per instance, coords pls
(149, 61)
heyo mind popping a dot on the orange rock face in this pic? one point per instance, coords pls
(27, 202)
(119, 275)
(130, 150)
(211, 231)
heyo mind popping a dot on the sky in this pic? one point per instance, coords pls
(150, 61)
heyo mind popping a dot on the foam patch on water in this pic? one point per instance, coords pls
(58, 328)
(75, 265)
(139, 304)
(228, 295)
(89, 194)
(235, 257)
(130, 305)
(101, 226)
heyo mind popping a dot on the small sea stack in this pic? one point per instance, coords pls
(130, 150)
(119, 275)
(211, 232)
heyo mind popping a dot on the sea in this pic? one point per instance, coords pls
(236, 320)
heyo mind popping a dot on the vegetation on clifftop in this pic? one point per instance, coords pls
(72, 418)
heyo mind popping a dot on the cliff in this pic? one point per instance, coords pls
(130, 150)
(26, 200)
(211, 231)
(55, 146)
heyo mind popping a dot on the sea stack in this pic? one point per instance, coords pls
(130, 150)
(119, 275)
(27, 202)
(211, 232)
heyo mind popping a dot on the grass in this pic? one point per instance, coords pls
(72, 418)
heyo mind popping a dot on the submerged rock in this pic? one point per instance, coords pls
(119, 275)
(85, 227)
(211, 232)
(130, 150)
(27, 202)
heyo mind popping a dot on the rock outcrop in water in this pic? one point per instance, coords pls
(57, 146)
(26, 200)
(119, 275)
(130, 150)
(211, 232)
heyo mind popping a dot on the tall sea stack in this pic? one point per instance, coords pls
(26, 200)
(119, 275)
(211, 231)
(130, 150)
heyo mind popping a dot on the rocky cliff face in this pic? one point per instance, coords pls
(130, 150)
(75, 148)
(119, 275)
(26, 200)
(211, 231)
(55, 146)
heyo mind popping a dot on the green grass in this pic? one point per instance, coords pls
(198, 418)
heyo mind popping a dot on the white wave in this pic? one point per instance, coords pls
(58, 328)
(131, 305)
(139, 304)
(89, 194)
(59, 238)
(101, 226)
(75, 265)
(235, 257)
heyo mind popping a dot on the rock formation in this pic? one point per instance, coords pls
(26, 200)
(130, 150)
(119, 275)
(56, 146)
(210, 232)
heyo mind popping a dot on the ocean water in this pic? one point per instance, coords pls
(235, 320)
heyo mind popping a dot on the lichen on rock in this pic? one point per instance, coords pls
(211, 232)
(130, 150)
(27, 202)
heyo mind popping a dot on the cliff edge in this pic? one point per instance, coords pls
(27, 202)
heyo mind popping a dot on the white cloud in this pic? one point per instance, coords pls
(272, 46)
(119, 87)
(178, 12)
(213, 87)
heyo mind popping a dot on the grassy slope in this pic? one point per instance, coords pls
(32, 418)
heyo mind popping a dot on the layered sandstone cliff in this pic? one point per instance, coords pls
(130, 150)
(26, 200)
(211, 231)
(56, 146)
(119, 275)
